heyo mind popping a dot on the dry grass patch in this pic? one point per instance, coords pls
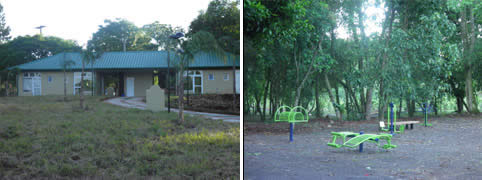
(44, 137)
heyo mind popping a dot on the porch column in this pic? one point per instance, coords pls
(102, 84)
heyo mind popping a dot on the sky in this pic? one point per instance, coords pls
(79, 19)
(374, 16)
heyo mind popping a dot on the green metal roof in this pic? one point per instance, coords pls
(129, 60)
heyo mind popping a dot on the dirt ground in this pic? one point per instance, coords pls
(451, 149)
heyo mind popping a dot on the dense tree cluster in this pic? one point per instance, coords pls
(427, 51)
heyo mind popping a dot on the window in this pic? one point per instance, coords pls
(194, 82)
(27, 84)
(87, 81)
(211, 76)
(50, 79)
(188, 83)
(226, 76)
(32, 83)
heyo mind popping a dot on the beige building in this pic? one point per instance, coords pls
(129, 73)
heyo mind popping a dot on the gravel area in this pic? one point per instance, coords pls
(451, 149)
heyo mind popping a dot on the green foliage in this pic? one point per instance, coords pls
(160, 33)
(416, 58)
(115, 33)
(4, 29)
(221, 20)
(24, 49)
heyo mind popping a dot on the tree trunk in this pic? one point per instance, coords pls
(468, 90)
(368, 103)
(317, 99)
(337, 94)
(332, 99)
(271, 100)
(181, 95)
(347, 105)
(382, 105)
(467, 49)
(265, 97)
(460, 104)
(246, 105)
(258, 106)
(410, 107)
(399, 110)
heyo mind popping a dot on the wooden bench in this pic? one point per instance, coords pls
(400, 123)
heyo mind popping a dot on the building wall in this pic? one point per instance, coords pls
(20, 86)
(142, 82)
(55, 87)
(218, 85)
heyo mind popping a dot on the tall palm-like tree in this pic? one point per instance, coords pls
(201, 41)
(66, 64)
(89, 55)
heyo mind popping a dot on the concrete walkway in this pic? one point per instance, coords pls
(136, 102)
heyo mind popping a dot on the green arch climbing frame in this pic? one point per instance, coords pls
(291, 115)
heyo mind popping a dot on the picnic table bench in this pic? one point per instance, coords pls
(401, 123)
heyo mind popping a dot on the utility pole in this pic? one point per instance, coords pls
(40, 28)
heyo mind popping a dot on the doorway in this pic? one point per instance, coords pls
(130, 86)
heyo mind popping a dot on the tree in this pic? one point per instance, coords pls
(412, 60)
(196, 43)
(66, 64)
(24, 49)
(4, 29)
(160, 34)
(120, 35)
(89, 56)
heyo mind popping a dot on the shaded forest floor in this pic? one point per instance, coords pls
(451, 149)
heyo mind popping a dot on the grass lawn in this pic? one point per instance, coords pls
(44, 137)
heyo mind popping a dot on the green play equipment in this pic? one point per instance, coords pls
(343, 135)
(426, 108)
(392, 120)
(291, 115)
(357, 139)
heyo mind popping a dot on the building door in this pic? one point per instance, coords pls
(36, 86)
(237, 81)
(130, 86)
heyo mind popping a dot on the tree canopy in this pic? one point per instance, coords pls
(120, 35)
(425, 52)
(221, 19)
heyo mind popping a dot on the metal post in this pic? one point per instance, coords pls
(361, 144)
(168, 85)
(392, 127)
(291, 131)
(425, 113)
(187, 71)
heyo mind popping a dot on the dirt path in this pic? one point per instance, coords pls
(451, 149)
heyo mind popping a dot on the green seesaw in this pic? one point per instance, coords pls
(357, 139)
(291, 115)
